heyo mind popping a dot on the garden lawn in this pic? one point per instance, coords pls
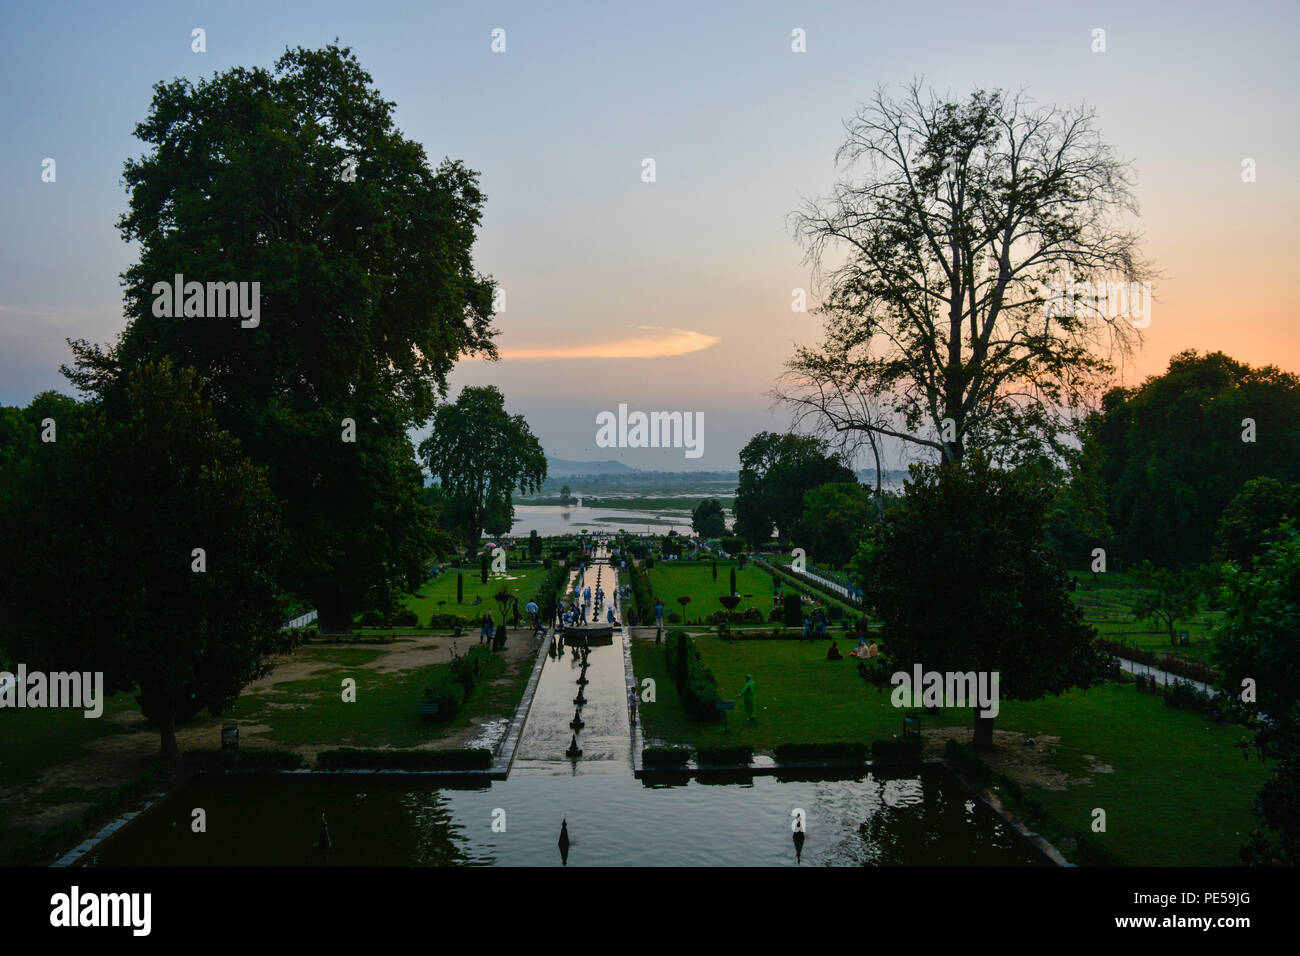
(1175, 789)
(521, 582)
(670, 580)
(312, 713)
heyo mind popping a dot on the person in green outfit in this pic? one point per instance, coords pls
(747, 695)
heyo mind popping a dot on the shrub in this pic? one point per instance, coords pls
(732, 545)
(696, 685)
(665, 756)
(406, 619)
(441, 621)
(792, 606)
(724, 756)
(447, 692)
(254, 759)
(904, 748)
(347, 758)
(819, 753)
(372, 619)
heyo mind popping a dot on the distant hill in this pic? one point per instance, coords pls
(564, 467)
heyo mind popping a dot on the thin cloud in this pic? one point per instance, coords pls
(655, 342)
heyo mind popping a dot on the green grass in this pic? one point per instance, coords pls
(1107, 606)
(521, 582)
(670, 580)
(311, 712)
(1179, 794)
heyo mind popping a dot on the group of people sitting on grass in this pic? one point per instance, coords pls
(862, 651)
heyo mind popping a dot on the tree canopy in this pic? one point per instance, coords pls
(480, 453)
(938, 251)
(708, 520)
(295, 179)
(775, 471)
(836, 517)
(963, 582)
(1174, 455)
(110, 578)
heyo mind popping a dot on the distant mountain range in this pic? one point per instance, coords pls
(566, 468)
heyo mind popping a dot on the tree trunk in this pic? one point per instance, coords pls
(167, 724)
(983, 738)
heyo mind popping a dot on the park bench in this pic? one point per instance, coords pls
(428, 708)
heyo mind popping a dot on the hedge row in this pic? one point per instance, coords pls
(821, 753)
(347, 758)
(665, 756)
(1088, 850)
(1166, 662)
(807, 584)
(642, 595)
(696, 685)
(254, 759)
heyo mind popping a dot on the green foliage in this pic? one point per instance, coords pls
(708, 519)
(836, 516)
(347, 758)
(904, 748)
(724, 756)
(696, 685)
(962, 581)
(1257, 640)
(1250, 519)
(775, 471)
(460, 587)
(480, 454)
(484, 560)
(665, 756)
(368, 296)
(1169, 596)
(854, 753)
(152, 477)
(792, 610)
(1174, 457)
(210, 761)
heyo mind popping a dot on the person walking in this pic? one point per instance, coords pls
(747, 695)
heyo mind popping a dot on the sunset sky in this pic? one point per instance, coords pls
(673, 295)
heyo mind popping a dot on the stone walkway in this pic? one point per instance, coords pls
(606, 738)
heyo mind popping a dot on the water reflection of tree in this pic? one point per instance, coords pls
(946, 828)
(435, 838)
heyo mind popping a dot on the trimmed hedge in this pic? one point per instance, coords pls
(347, 758)
(254, 759)
(699, 690)
(903, 748)
(819, 753)
(444, 620)
(719, 756)
(665, 756)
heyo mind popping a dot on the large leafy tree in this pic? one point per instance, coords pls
(1252, 517)
(1174, 457)
(480, 453)
(708, 520)
(963, 582)
(1258, 640)
(297, 179)
(775, 471)
(936, 252)
(836, 517)
(109, 579)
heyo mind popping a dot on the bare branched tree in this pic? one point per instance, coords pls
(956, 258)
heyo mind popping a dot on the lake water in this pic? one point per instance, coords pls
(909, 817)
(554, 519)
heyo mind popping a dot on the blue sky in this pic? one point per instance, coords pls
(701, 261)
